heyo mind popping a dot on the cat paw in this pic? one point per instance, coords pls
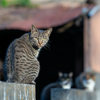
(33, 83)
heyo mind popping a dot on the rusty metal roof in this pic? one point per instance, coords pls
(42, 17)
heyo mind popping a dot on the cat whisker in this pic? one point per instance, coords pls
(46, 46)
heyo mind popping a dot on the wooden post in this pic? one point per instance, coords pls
(87, 36)
(14, 91)
(73, 94)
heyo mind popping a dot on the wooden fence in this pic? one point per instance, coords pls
(73, 94)
(13, 91)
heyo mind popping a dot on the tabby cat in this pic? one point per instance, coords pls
(64, 81)
(86, 81)
(21, 64)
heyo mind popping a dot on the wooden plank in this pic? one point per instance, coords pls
(73, 94)
(14, 91)
(87, 36)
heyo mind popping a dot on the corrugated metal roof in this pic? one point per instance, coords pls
(43, 17)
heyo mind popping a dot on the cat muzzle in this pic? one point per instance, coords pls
(65, 82)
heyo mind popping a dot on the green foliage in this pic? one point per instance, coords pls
(19, 3)
(3, 3)
(22, 2)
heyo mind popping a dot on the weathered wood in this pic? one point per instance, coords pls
(73, 94)
(14, 91)
(87, 36)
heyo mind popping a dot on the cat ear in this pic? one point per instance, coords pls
(48, 31)
(33, 29)
(71, 74)
(60, 74)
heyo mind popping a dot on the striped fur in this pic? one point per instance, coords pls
(21, 64)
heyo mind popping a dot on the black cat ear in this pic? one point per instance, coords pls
(60, 74)
(33, 29)
(48, 31)
(71, 74)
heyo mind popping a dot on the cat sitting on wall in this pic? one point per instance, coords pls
(86, 81)
(21, 64)
(64, 81)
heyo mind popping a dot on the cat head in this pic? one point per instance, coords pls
(65, 80)
(89, 76)
(88, 80)
(39, 38)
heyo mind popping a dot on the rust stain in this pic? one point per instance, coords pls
(26, 89)
(6, 91)
(6, 98)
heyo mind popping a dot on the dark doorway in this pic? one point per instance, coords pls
(65, 53)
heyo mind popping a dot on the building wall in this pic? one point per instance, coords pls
(95, 42)
(92, 43)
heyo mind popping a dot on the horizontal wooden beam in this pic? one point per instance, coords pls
(14, 91)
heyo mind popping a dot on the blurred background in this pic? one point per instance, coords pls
(74, 44)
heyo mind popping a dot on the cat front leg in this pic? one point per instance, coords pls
(34, 83)
(14, 78)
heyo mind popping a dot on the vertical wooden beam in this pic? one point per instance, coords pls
(87, 35)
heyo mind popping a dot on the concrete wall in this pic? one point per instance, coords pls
(73, 94)
(13, 91)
